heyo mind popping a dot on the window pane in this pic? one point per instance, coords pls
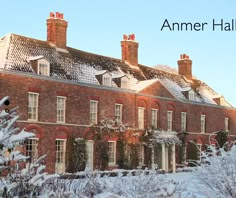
(118, 113)
(183, 121)
(169, 120)
(141, 118)
(111, 152)
(32, 106)
(93, 112)
(154, 118)
(60, 151)
(32, 149)
(61, 104)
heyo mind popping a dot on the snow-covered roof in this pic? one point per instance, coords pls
(77, 65)
(143, 84)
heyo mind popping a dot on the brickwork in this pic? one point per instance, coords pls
(77, 109)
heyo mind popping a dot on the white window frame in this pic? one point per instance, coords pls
(199, 146)
(60, 156)
(33, 152)
(141, 155)
(226, 124)
(45, 70)
(154, 118)
(169, 120)
(61, 109)
(203, 123)
(124, 83)
(118, 112)
(112, 153)
(183, 121)
(191, 95)
(106, 79)
(141, 117)
(33, 105)
(93, 115)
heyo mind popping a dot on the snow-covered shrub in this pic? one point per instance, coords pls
(16, 181)
(219, 174)
(141, 185)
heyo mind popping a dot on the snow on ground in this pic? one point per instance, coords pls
(184, 184)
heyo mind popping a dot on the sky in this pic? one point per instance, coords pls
(98, 27)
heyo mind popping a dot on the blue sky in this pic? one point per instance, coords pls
(98, 26)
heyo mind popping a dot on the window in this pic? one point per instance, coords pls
(183, 121)
(61, 109)
(60, 151)
(203, 123)
(32, 149)
(141, 155)
(154, 118)
(93, 111)
(33, 106)
(106, 80)
(199, 147)
(191, 95)
(124, 83)
(141, 118)
(118, 113)
(111, 153)
(169, 120)
(226, 124)
(43, 67)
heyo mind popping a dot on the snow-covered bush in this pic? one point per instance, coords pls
(15, 181)
(219, 174)
(140, 185)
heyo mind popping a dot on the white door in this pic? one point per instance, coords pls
(90, 150)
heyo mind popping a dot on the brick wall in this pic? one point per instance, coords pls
(77, 109)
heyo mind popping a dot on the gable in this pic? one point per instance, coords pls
(156, 89)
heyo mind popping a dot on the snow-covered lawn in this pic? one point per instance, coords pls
(184, 184)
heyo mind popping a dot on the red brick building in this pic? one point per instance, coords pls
(62, 92)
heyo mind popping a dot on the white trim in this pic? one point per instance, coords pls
(114, 162)
(169, 120)
(152, 119)
(64, 110)
(226, 124)
(45, 63)
(141, 118)
(90, 160)
(183, 121)
(60, 166)
(120, 113)
(96, 112)
(203, 123)
(37, 106)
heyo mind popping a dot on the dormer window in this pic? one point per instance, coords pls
(106, 80)
(40, 65)
(122, 81)
(220, 101)
(43, 67)
(191, 95)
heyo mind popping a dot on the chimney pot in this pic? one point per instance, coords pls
(56, 32)
(129, 49)
(52, 15)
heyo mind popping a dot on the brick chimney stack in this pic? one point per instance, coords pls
(185, 66)
(56, 29)
(129, 49)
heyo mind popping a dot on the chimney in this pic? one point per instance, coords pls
(185, 66)
(56, 29)
(129, 49)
